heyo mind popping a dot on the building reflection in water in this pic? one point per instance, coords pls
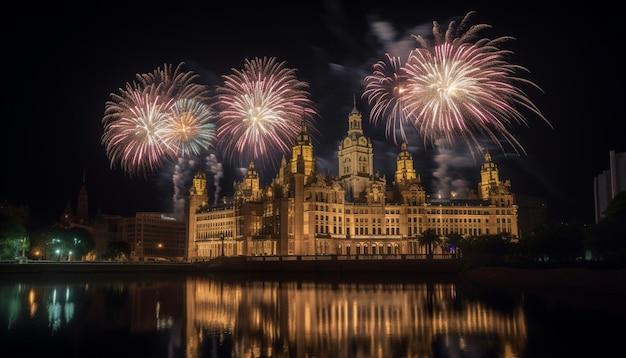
(193, 316)
(298, 319)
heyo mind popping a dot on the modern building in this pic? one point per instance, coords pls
(155, 237)
(609, 183)
(152, 236)
(358, 212)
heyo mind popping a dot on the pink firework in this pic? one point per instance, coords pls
(134, 131)
(174, 83)
(384, 90)
(156, 119)
(261, 111)
(190, 128)
(460, 88)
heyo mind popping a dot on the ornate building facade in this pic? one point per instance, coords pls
(305, 212)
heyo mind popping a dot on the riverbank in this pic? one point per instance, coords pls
(597, 290)
(331, 265)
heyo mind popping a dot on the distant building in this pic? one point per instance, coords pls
(155, 236)
(152, 236)
(79, 218)
(305, 212)
(532, 212)
(609, 183)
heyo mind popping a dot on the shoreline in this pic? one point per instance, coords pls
(291, 265)
(590, 280)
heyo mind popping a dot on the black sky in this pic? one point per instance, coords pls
(62, 62)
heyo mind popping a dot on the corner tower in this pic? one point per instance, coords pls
(198, 197)
(302, 159)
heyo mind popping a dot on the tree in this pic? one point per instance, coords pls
(559, 243)
(607, 239)
(63, 244)
(489, 249)
(14, 239)
(455, 243)
(429, 239)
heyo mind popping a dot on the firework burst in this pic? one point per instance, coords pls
(384, 90)
(190, 129)
(457, 86)
(135, 138)
(261, 110)
(174, 83)
(160, 116)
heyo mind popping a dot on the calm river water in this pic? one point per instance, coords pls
(186, 315)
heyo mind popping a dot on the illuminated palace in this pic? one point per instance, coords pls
(305, 212)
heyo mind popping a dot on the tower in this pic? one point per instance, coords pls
(355, 157)
(405, 171)
(198, 198)
(489, 177)
(406, 181)
(249, 189)
(302, 167)
(302, 160)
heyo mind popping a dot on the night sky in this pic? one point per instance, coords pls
(63, 62)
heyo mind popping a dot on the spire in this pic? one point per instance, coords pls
(355, 121)
(303, 137)
(487, 156)
(354, 109)
(302, 126)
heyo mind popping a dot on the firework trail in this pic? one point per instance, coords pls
(261, 109)
(176, 84)
(216, 168)
(457, 88)
(183, 170)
